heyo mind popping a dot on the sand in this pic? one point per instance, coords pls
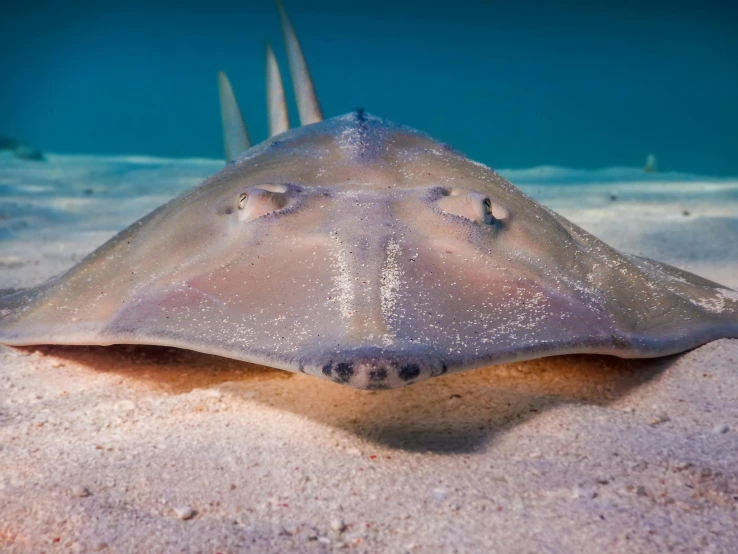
(133, 449)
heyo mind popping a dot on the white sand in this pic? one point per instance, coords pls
(108, 449)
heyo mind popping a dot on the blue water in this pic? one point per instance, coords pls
(511, 84)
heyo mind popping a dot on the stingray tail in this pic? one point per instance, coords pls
(307, 100)
(235, 136)
(279, 120)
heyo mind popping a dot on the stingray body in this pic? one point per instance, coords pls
(367, 253)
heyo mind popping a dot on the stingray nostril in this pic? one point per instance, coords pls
(328, 369)
(344, 372)
(378, 375)
(375, 368)
(409, 371)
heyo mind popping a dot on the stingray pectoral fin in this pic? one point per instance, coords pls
(261, 307)
(307, 100)
(235, 136)
(12, 304)
(656, 309)
(263, 304)
(476, 311)
(279, 120)
(685, 303)
(27, 317)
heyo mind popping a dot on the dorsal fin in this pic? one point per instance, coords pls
(279, 120)
(307, 101)
(235, 137)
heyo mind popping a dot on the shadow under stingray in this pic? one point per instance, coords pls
(455, 413)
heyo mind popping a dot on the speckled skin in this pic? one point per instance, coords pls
(366, 253)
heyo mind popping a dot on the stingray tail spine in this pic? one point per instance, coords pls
(307, 101)
(235, 136)
(279, 120)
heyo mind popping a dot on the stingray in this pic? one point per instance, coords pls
(364, 252)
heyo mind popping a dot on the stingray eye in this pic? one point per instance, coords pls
(487, 208)
(258, 201)
(471, 205)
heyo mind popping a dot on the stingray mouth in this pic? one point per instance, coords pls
(376, 368)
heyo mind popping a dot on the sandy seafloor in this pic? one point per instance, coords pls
(101, 448)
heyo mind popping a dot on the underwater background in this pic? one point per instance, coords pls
(511, 84)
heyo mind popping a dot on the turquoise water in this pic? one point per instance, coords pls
(521, 84)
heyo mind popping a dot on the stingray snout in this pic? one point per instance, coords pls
(377, 368)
